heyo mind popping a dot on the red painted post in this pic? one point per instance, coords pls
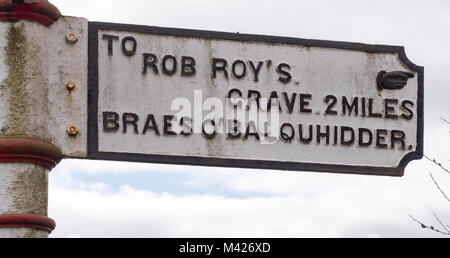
(24, 158)
(34, 10)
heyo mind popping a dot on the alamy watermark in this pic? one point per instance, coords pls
(236, 117)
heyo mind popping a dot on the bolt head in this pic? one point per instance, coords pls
(71, 38)
(71, 86)
(72, 131)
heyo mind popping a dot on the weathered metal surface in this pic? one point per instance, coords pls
(36, 109)
(329, 88)
(23, 190)
(38, 64)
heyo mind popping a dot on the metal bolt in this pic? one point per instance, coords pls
(71, 86)
(71, 38)
(72, 131)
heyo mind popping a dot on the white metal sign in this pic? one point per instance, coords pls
(220, 99)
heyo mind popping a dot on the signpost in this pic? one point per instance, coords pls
(77, 89)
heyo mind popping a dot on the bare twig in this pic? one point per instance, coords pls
(439, 188)
(429, 227)
(437, 163)
(440, 222)
(448, 122)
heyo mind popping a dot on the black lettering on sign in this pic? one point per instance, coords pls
(150, 60)
(285, 136)
(187, 66)
(251, 131)
(331, 101)
(127, 41)
(205, 133)
(388, 109)
(380, 139)
(290, 103)
(173, 69)
(168, 125)
(361, 133)
(363, 107)
(233, 100)
(285, 75)
(230, 93)
(398, 136)
(325, 134)
(219, 64)
(132, 119)
(233, 129)
(335, 135)
(350, 107)
(408, 114)
(303, 139)
(253, 95)
(110, 39)
(256, 69)
(273, 100)
(243, 69)
(350, 141)
(304, 103)
(110, 121)
(371, 113)
(186, 124)
(150, 124)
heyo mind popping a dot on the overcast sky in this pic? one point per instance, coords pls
(117, 199)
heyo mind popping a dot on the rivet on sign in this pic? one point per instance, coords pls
(72, 131)
(71, 85)
(71, 38)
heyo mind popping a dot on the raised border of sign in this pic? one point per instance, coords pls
(94, 153)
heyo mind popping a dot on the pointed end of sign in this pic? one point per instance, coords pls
(41, 11)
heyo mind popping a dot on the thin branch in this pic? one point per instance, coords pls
(439, 188)
(440, 222)
(448, 122)
(429, 227)
(437, 163)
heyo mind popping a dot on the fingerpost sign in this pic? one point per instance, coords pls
(227, 99)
